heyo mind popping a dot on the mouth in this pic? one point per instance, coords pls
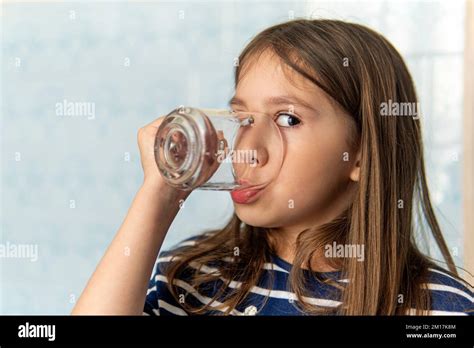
(247, 195)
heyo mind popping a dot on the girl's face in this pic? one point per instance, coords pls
(319, 168)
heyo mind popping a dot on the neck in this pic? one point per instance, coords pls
(284, 242)
(284, 238)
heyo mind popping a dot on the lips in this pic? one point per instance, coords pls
(246, 195)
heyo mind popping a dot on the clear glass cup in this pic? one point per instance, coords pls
(218, 149)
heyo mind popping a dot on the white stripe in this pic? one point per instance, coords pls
(441, 287)
(204, 299)
(449, 276)
(187, 243)
(211, 270)
(412, 311)
(261, 291)
(267, 265)
(154, 311)
(281, 294)
(171, 308)
(204, 268)
(292, 296)
(274, 267)
(167, 258)
(150, 290)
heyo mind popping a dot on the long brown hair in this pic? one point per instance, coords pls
(359, 69)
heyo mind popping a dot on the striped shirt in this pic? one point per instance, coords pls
(271, 296)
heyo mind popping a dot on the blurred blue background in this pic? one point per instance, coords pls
(67, 181)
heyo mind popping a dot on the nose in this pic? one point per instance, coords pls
(259, 156)
(253, 151)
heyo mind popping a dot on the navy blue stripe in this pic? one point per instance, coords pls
(278, 281)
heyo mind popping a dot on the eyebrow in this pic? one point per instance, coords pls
(277, 100)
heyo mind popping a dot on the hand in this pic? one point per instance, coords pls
(153, 179)
(146, 143)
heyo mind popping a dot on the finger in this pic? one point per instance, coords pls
(156, 123)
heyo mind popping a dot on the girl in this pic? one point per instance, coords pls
(334, 233)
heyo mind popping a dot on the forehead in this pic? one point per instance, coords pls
(266, 79)
(266, 71)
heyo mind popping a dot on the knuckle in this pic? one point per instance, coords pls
(140, 132)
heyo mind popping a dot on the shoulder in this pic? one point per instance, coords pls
(449, 295)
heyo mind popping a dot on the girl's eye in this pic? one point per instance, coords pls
(287, 120)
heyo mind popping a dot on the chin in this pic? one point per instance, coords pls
(255, 217)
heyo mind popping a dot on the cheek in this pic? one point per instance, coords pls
(313, 169)
(315, 159)
(312, 175)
